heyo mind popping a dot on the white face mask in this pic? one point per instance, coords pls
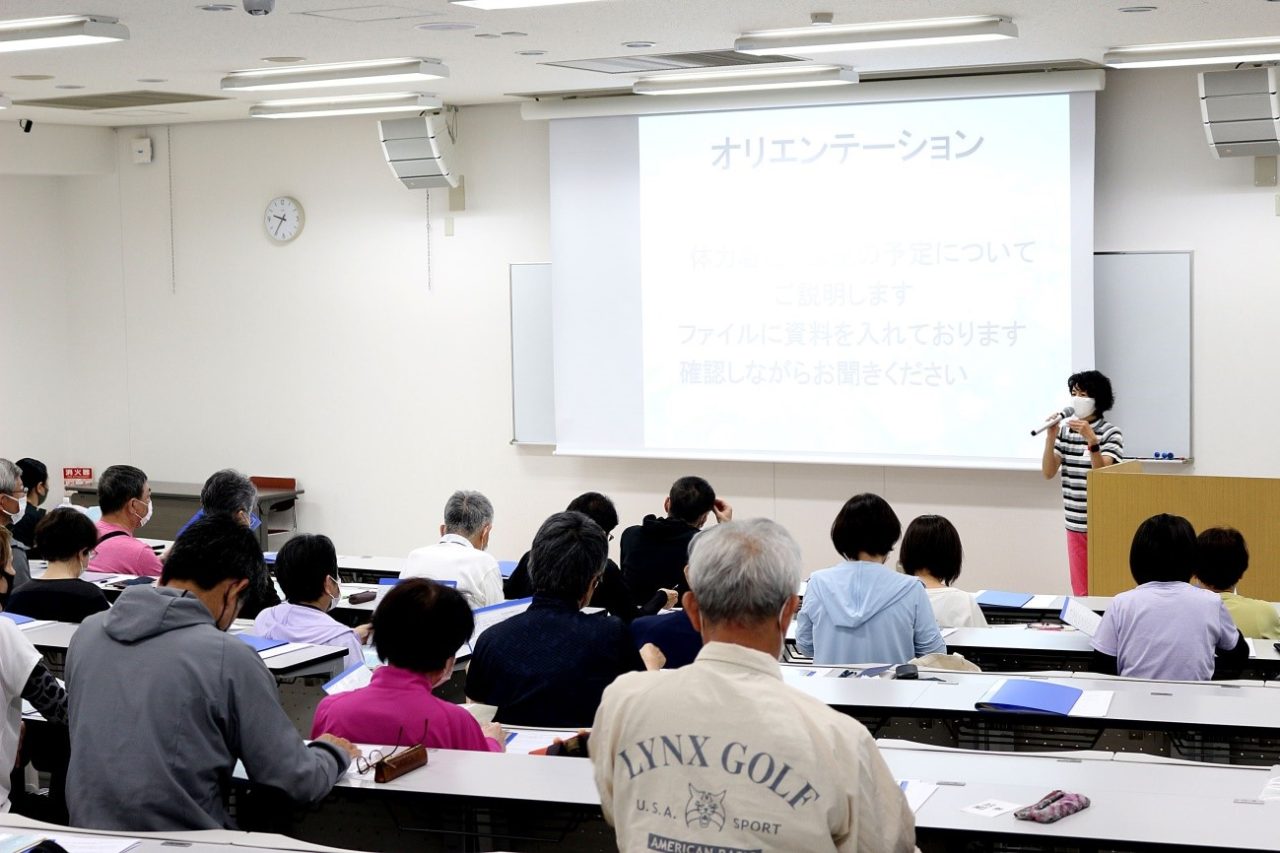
(20, 511)
(1084, 406)
(142, 522)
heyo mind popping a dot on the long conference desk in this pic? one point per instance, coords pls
(533, 803)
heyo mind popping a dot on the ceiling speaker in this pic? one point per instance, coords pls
(419, 150)
(1241, 112)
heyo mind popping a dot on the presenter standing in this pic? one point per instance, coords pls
(1079, 445)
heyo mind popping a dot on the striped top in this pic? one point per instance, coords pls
(1072, 449)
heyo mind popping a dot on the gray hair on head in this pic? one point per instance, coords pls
(743, 572)
(465, 513)
(10, 476)
(228, 491)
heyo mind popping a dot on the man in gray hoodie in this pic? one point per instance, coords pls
(164, 701)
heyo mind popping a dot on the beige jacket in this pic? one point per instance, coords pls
(722, 753)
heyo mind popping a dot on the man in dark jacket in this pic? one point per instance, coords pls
(654, 552)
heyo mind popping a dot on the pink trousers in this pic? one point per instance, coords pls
(1078, 557)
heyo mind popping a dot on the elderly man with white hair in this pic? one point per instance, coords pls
(13, 503)
(459, 555)
(721, 754)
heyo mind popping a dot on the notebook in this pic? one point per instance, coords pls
(260, 644)
(997, 598)
(20, 620)
(1024, 696)
(1084, 620)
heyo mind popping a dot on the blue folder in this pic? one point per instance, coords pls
(21, 620)
(394, 581)
(507, 567)
(1032, 697)
(996, 598)
(260, 644)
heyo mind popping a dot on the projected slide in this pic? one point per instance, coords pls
(884, 279)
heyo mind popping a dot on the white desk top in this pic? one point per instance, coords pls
(1019, 638)
(203, 841)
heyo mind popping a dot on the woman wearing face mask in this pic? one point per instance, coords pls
(67, 538)
(35, 479)
(307, 569)
(417, 629)
(1079, 445)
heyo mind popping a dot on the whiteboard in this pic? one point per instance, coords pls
(533, 397)
(1142, 341)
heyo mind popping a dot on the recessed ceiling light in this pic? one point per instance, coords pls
(284, 60)
(531, 53)
(639, 45)
(446, 26)
(215, 7)
(33, 77)
(153, 79)
(1137, 8)
(68, 86)
(515, 34)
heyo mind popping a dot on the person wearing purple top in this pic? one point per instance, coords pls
(307, 568)
(1166, 628)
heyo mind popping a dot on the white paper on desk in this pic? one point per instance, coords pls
(947, 632)
(1092, 703)
(34, 623)
(917, 792)
(1039, 602)
(482, 713)
(992, 808)
(1080, 617)
(283, 650)
(92, 844)
(1253, 650)
(525, 742)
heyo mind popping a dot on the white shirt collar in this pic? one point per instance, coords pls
(455, 539)
(741, 656)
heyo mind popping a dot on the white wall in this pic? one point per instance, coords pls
(330, 360)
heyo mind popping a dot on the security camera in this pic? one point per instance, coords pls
(259, 7)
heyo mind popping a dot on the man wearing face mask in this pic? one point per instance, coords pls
(165, 701)
(1078, 446)
(763, 765)
(307, 569)
(13, 504)
(35, 479)
(124, 496)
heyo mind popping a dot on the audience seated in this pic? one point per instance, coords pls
(860, 611)
(1166, 628)
(655, 551)
(231, 492)
(417, 629)
(164, 702)
(782, 771)
(549, 665)
(67, 538)
(612, 593)
(35, 479)
(672, 633)
(23, 675)
(1222, 558)
(124, 495)
(307, 569)
(931, 552)
(13, 505)
(460, 554)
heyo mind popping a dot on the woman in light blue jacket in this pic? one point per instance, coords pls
(860, 610)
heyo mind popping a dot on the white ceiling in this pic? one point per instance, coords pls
(192, 49)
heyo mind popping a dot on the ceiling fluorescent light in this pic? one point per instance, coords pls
(826, 38)
(745, 81)
(60, 31)
(1193, 53)
(491, 5)
(383, 71)
(352, 106)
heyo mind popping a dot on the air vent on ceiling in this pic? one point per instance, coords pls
(118, 100)
(671, 62)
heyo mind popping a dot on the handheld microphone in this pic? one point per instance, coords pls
(1055, 420)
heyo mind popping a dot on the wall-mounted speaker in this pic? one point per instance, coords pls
(1241, 111)
(419, 150)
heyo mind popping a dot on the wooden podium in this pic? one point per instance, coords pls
(1123, 496)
